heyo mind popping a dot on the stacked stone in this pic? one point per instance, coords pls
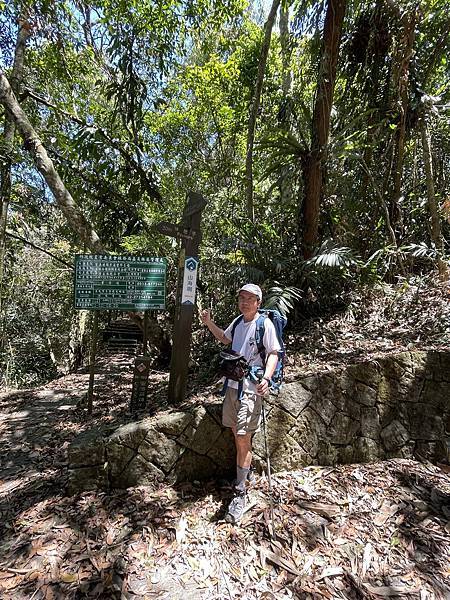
(395, 406)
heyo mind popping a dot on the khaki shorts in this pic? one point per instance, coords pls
(244, 414)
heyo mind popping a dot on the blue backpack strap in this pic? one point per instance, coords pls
(223, 391)
(225, 383)
(259, 336)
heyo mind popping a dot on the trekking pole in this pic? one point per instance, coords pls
(269, 475)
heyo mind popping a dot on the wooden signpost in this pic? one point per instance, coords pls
(173, 230)
(189, 233)
(138, 283)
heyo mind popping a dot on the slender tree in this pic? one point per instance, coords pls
(45, 166)
(285, 111)
(255, 106)
(401, 77)
(314, 160)
(16, 77)
(435, 225)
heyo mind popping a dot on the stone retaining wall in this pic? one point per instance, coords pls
(396, 406)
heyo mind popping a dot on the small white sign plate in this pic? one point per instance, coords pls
(189, 280)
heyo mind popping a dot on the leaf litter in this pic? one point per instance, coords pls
(380, 535)
(367, 531)
(410, 315)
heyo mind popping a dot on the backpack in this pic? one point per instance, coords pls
(279, 322)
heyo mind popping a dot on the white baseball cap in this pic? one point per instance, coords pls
(253, 289)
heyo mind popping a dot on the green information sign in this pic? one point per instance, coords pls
(119, 282)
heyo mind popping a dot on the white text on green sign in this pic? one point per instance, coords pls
(119, 282)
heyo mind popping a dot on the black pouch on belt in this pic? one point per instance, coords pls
(232, 365)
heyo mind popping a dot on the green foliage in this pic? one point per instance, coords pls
(331, 255)
(420, 251)
(282, 298)
(37, 317)
(145, 101)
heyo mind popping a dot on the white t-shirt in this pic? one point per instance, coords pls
(244, 342)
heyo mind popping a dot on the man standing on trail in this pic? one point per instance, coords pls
(243, 414)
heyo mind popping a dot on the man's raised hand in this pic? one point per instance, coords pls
(205, 316)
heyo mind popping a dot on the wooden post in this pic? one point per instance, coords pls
(92, 361)
(144, 334)
(184, 312)
(140, 383)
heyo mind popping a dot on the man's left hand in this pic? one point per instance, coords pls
(262, 388)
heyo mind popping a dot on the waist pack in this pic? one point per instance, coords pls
(232, 365)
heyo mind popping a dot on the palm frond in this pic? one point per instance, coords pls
(282, 298)
(331, 255)
(285, 142)
(282, 148)
(273, 167)
(420, 251)
(381, 252)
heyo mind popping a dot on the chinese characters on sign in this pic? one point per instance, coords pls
(119, 282)
(140, 383)
(189, 280)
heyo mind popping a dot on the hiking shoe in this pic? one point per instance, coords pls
(236, 508)
(251, 477)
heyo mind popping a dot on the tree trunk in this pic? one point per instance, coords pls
(436, 233)
(78, 340)
(285, 53)
(285, 111)
(313, 163)
(45, 166)
(8, 140)
(401, 84)
(255, 107)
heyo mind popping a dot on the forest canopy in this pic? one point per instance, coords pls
(318, 131)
